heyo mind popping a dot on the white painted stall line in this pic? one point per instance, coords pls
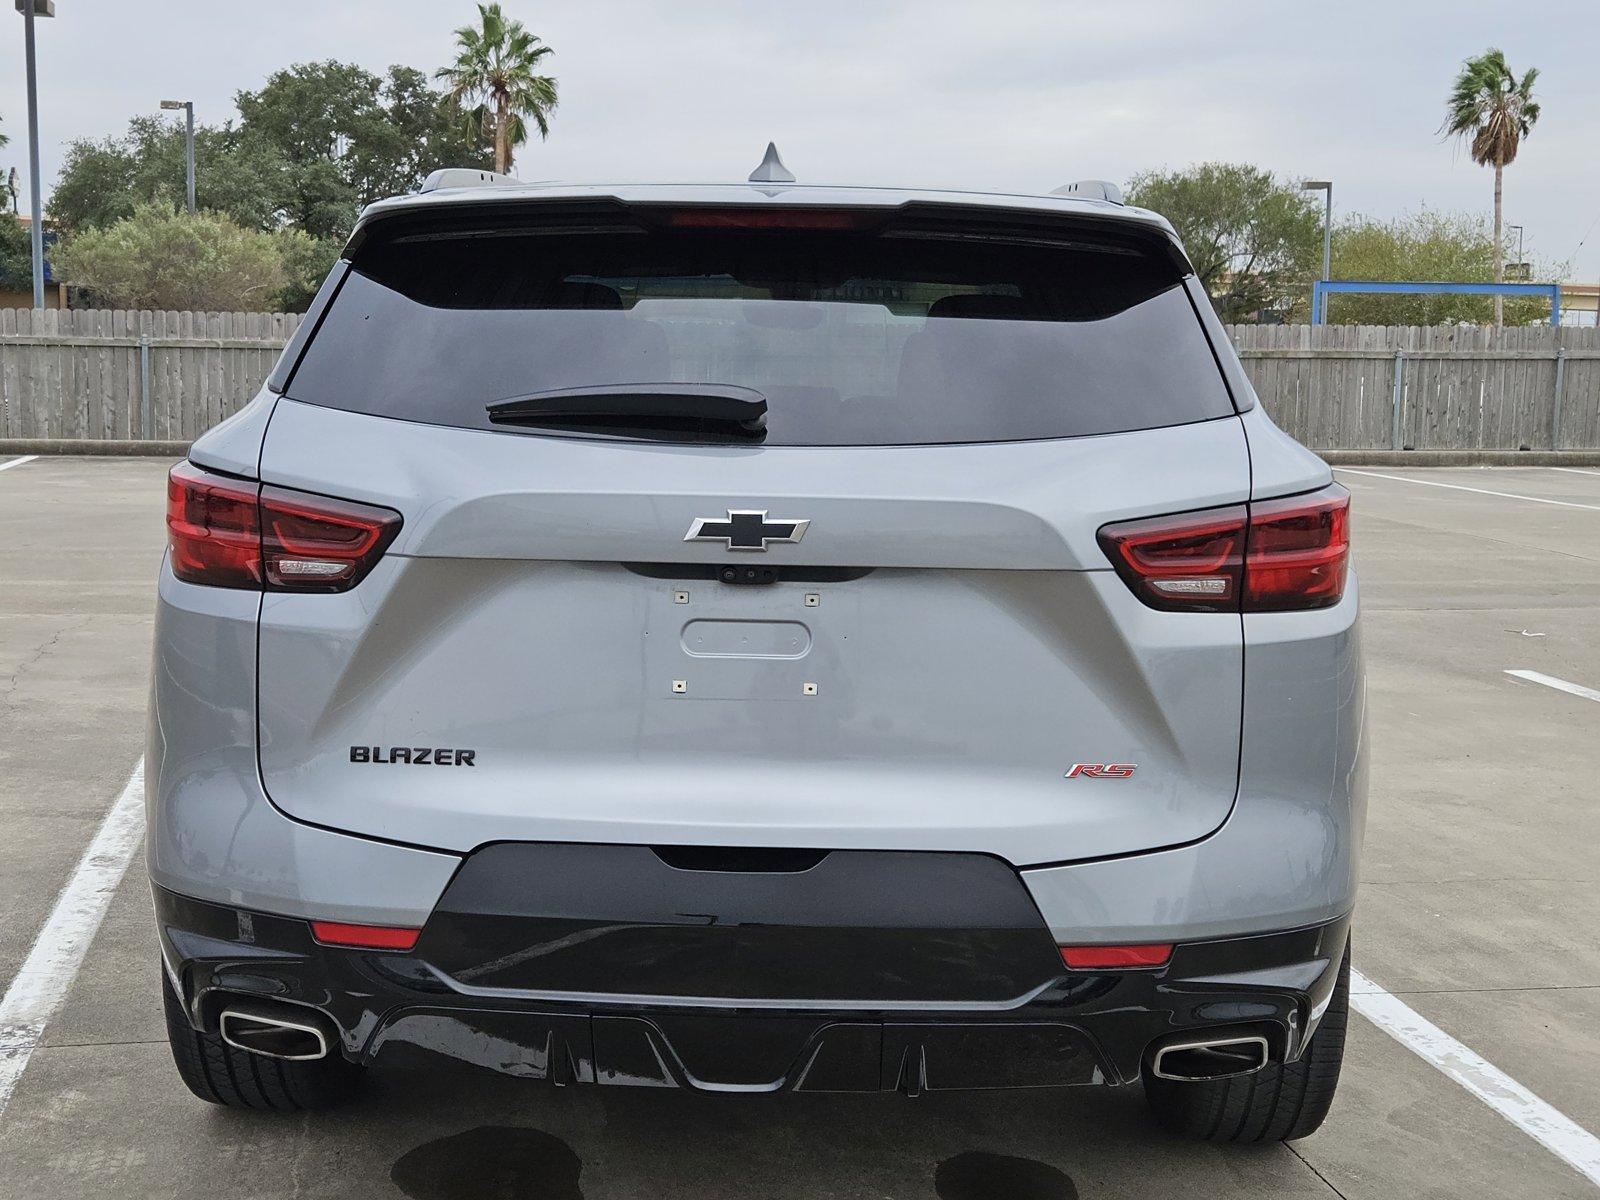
(1573, 470)
(1551, 1128)
(17, 462)
(47, 973)
(1461, 487)
(1561, 685)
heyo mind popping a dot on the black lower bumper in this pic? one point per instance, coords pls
(857, 971)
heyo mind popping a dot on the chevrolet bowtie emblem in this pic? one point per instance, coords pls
(745, 529)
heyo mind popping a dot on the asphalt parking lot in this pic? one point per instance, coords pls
(1478, 912)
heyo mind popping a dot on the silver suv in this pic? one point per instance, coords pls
(753, 638)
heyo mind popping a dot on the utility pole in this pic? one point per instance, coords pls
(188, 109)
(1323, 185)
(30, 9)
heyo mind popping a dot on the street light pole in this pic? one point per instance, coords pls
(188, 109)
(1323, 185)
(30, 9)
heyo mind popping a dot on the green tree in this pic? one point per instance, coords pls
(1425, 246)
(348, 137)
(16, 254)
(315, 143)
(496, 68)
(306, 263)
(1254, 240)
(160, 257)
(1492, 111)
(102, 182)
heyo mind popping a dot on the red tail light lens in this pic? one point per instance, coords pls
(213, 529)
(226, 532)
(1116, 958)
(1299, 551)
(1267, 556)
(1191, 562)
(364, 937)
(316, 544)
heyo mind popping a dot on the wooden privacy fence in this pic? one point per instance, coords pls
(1366, 387)
(102, 373)
(172, 375)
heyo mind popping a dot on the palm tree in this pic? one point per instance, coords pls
(495, 68)
(1491, 111)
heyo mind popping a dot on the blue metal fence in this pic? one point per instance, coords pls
(1323, 288)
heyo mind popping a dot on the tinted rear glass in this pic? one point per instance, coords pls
(854, 338)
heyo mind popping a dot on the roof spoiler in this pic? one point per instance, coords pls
(463, 177)
(1091, 189)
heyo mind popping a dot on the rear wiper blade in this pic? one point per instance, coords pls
(666, 406)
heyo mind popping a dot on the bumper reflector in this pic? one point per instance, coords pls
(1115, 958)
(364, 937)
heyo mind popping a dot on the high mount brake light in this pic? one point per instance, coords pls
(1265, 556)
(232, 533)
(770, 218)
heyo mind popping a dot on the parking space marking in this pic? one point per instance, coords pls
(1573, 470)
(1561, 685)
(47, 973)
(1461, 487)
(1548, 1126)
(17, 462)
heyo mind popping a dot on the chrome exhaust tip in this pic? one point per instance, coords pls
(276, 1031)
(1192, 1061)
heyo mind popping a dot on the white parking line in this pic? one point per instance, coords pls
(17, 462)
(1573, 470)
(48, 971)
(1561, 685)
(1461, 487)
(1554, 1130)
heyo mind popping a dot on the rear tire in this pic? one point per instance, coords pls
(219, 1074)
(1278, 1103)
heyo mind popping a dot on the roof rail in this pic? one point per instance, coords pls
(463, 177)
(1091, 189)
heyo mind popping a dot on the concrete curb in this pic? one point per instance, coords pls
(126, 447)
(108, 447)
(1461, 458)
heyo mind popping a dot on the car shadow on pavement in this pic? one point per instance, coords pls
(511, 1140)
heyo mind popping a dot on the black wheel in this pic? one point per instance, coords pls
(219, 1074)
(1278, 1103)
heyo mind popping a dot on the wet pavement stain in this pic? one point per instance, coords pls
(977, 1175)
(492, 1162)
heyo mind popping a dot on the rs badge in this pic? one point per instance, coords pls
(1100, 770)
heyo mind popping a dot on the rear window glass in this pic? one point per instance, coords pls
(854, 338)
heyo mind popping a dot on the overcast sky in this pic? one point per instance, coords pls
(1005, 94)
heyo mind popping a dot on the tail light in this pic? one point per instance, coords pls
(1266, 556)
(213, 528)
(1299, 551)
(226, 532)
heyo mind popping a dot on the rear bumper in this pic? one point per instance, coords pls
(732, 983)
